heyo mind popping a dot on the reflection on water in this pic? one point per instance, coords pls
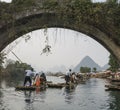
(89, 96)
(114, 103)
(69, 94)
(28, 96)
(28, 100)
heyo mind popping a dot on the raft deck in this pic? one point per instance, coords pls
(112, 87)
(51, 85)
(61, 85)
(32, 88)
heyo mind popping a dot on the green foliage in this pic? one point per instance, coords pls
(112, 1)
(2, 57)
(26, 3)
(50, 4)
(85, 69)
(113, 63)
(16, 69)
(104, 16)
(94, 69)
(22, 5)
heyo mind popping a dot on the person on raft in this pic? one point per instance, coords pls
(37, 80)
(43, 77)
(68, 76)
(29, 73)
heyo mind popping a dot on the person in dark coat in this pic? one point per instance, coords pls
(43, 77)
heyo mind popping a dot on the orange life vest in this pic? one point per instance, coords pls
(37, 83)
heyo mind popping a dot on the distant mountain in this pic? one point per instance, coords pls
(87, 62)
(105, 67)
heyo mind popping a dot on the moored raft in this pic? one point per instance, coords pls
(112, 87)
(115, 80)
(114, 84)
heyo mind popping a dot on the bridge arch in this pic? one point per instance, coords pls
(28, 23)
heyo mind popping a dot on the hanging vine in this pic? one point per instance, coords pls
(47, 49)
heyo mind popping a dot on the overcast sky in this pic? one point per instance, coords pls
(68, 48)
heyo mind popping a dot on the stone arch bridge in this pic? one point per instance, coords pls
(100, 21)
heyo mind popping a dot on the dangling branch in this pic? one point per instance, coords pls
(47, 48)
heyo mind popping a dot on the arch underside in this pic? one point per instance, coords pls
(12, 31)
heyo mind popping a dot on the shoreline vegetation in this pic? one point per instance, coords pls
(10, 72)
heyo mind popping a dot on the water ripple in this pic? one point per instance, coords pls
(89, 96)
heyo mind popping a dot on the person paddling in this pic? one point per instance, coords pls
(29, 73)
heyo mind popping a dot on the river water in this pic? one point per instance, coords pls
(88, 96)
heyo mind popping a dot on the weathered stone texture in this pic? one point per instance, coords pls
(37, 17)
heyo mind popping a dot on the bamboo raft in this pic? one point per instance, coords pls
(61, 85)
(48, 85)
(115, 80)
(31, 88)
(114, 84)
(112, 87)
